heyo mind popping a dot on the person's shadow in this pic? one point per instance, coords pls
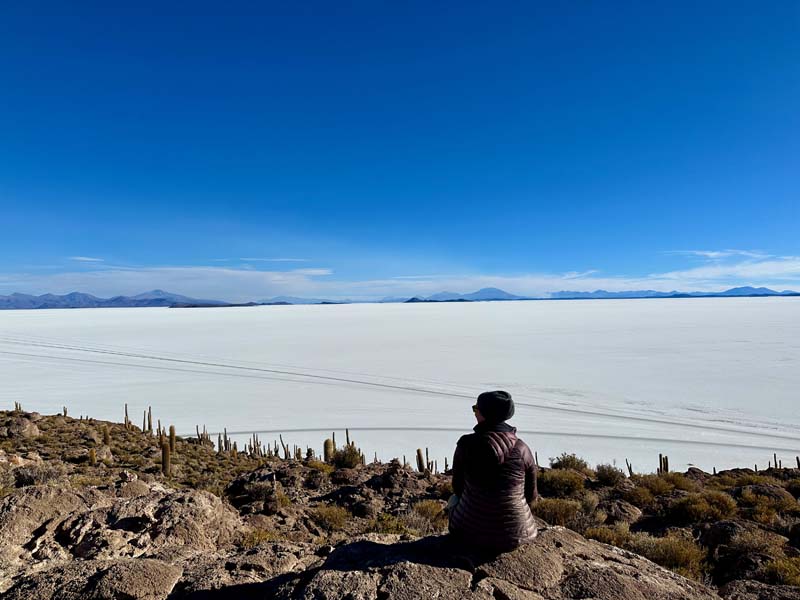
(440, 551)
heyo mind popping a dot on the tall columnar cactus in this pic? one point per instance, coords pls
(106, 436)
(166, 460)
(65, 411)
(420, 461)
(172, 438)
(328, 450)
(127, 419)
(150, 420)
(92, 457)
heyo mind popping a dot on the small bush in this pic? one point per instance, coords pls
(679, 481)
(764, 509)
(570, 461)
(432, 511)
(674, 552)
(706, 506)
(318, 465)
(758, 541)
(444, 489)
(38, 474)
(639, 496)
(330, 517)
(556, 511)
(615, 536)
(253, 538)
(347, 457)
(656, 484)
(609, 475)
(560, 483)
(782, 571)
(385, 523)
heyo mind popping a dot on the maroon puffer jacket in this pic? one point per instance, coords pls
(494, 475)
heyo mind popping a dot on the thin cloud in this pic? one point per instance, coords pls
(277, 259)
(90, 259)
(719, 254)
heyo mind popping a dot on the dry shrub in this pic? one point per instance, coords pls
(639, 496)
(560, 483)
(570, 461)
(785, 571)
(38, 474)
(765, 509)
(619, 535)
(793, 487)
(330, 517)
(556, 511)
(347, 457)
(706, 506)
(609, 475)
(444, 489)
(679, 481)
(676, 553)
(655, 484)
(433, 511)
(385, 523)
(318, 465)
(758, 541)
(253, 538)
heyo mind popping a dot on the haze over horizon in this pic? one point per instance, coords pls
(362, 151)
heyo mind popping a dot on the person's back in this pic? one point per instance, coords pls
(494, 477)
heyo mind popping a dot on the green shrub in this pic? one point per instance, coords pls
(618, 535)
(253, 538)
(347, 457)
(656, 484)
(679, 481)
(765, 509)
(560, 483)
(785, 571)
(556, 511)
(432, 511)
(330, 517)
(676, 553)
(609, 475)
(318, 465)
(706, 506)
(570, 461)
(758, 541)
(386, 523)
(639, 496)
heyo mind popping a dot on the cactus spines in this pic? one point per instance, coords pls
(420, 461)
(172, 438)
(92, 457)
(166, 460)
(106, 436)
(328, 450)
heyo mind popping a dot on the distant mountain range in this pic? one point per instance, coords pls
(731, 293)
(167, 299)
(80, 300)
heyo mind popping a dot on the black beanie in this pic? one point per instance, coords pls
(496, 406)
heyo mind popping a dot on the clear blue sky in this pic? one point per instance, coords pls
(398, 147)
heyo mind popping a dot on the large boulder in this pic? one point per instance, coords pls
(133, 579)
(560, 564)
(755, 590)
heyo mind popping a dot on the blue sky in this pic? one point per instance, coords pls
(398, 148)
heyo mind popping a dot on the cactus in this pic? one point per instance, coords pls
(172, 438)
(65, 411)
(92, 457)
(166, 460)
(150, 420)
(328, 450)
(627, 464)
(420, 461)
(127, 420)
(106, 436)
(798, 461)
(144, 421)
(347, 436)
